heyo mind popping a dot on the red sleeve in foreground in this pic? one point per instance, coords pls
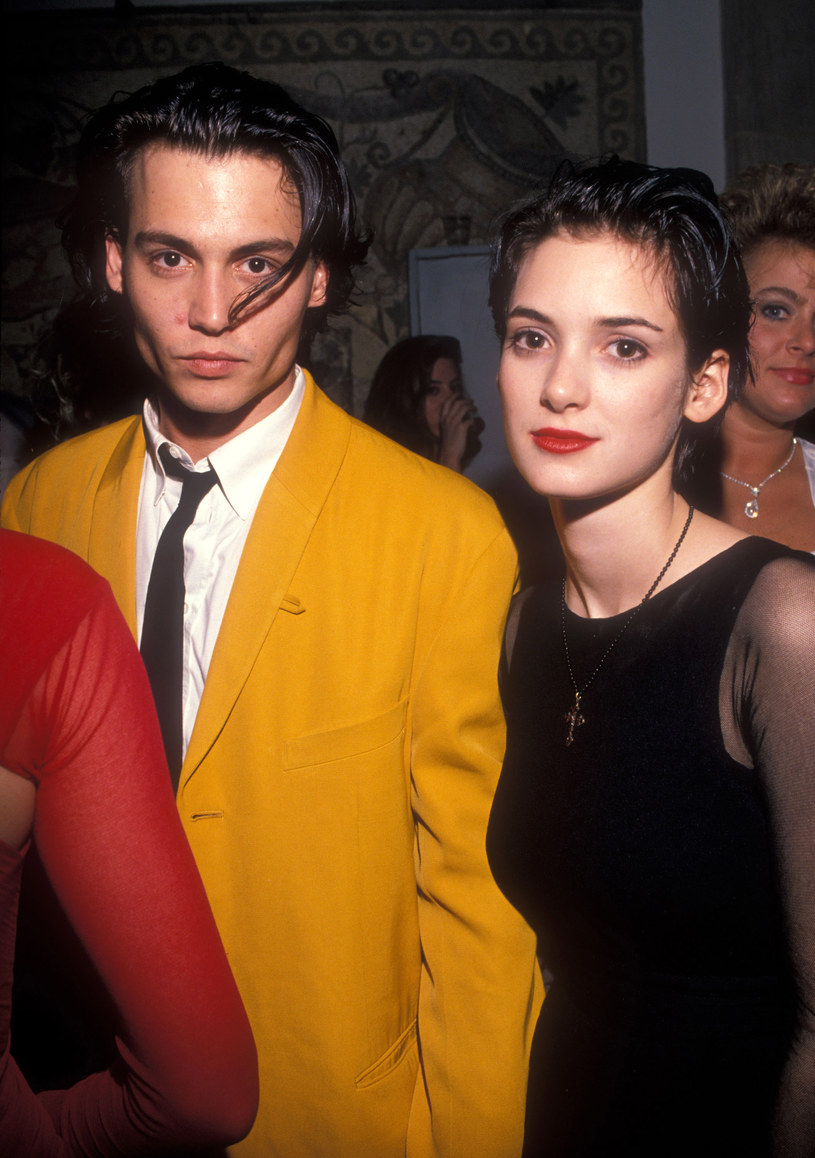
(111, 841)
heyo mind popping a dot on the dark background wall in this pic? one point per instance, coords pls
(769, 81)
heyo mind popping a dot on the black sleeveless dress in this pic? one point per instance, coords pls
(666, 860)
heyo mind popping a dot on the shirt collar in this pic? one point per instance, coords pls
(243, 464)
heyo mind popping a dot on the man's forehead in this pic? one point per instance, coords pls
(169, 179)
(159, 163)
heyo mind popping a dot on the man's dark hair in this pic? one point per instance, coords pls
(212, 110)
(395, 404)
(674, 213)
(215, 110)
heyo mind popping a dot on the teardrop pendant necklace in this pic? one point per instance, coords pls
(751, 506)
(575, 718)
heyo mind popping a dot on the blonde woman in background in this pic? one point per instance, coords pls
(760, 476)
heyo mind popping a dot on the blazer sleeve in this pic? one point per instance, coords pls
(480, 988)
(14, 515)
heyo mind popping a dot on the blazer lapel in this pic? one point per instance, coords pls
(112, 544)
(289, 507)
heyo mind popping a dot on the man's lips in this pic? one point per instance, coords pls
(561, 441)
(795, 375)
(210, 365)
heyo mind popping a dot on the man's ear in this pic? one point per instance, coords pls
(113, 263)
(319, 285)
(707, 392)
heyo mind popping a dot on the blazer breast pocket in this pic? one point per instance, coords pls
(347, 742)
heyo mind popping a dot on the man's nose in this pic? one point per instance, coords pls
(211, 302)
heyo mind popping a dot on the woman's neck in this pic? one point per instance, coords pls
(752, 446)
(615, 551)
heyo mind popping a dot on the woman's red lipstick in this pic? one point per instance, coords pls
(561, 441)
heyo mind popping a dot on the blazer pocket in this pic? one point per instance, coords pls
(404, 1045)
(341, 743)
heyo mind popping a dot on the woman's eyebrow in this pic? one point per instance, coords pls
(616, 322)
(529, 312)
(610, 323)
(783, 290)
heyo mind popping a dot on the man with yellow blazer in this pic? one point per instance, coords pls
(341, 753)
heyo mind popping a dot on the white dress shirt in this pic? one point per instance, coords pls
(215, 539)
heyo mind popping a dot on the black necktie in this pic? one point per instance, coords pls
(162, 639)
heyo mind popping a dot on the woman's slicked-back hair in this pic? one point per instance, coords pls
(395, 404)
(674, 215)
(215, 110)
(772, 203)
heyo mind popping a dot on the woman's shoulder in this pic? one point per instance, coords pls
(753, 557)
(784, 579)
(723, 547)
(753, 582)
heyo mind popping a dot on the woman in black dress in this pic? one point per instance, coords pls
(655, 818)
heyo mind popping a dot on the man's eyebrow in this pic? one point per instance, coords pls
(280, 246)
(156, 237)
(602, 323)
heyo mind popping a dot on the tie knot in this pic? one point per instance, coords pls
(194, 484)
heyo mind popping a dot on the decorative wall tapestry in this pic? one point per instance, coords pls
(444, 118)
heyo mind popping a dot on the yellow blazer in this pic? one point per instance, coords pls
(338, 782)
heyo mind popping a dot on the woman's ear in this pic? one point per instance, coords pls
(707, 392)
(113, 263)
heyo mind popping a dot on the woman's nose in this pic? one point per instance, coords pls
(565, 382)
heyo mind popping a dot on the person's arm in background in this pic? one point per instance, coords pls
(459, 427)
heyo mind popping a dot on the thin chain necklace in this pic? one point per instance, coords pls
(751, 506)
(574, 718)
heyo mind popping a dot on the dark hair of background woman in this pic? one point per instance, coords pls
(395, 405)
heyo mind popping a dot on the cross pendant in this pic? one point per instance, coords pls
(573, 719)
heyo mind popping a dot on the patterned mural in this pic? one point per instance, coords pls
(444, 118)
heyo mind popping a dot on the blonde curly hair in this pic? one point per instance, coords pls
(772, 202)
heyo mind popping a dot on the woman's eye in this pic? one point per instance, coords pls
(774, 311)
(527, 340)
(627, 349)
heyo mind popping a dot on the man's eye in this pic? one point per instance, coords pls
(258, 265)
(169, 260)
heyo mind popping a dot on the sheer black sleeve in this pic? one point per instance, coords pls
(767, 708)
